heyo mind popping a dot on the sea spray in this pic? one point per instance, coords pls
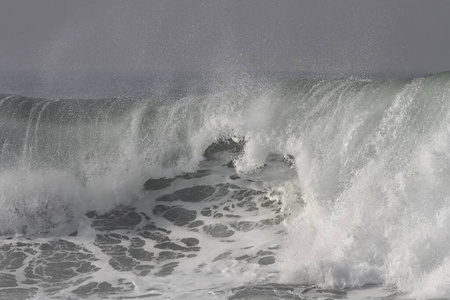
(373, 170)
(356, 170)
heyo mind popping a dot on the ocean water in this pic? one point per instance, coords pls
(300, 189)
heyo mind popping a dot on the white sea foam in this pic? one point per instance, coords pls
(368, 189)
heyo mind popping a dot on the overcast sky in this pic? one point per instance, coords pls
(383, 36)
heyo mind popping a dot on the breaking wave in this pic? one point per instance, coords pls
(369, 200)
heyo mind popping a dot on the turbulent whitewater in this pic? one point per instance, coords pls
(299, 189)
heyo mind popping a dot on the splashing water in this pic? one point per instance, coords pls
(360, 171)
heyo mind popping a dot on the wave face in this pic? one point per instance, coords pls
(361, 169)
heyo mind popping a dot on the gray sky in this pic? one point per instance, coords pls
(337, 37)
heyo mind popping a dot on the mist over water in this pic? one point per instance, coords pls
(365, 190)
